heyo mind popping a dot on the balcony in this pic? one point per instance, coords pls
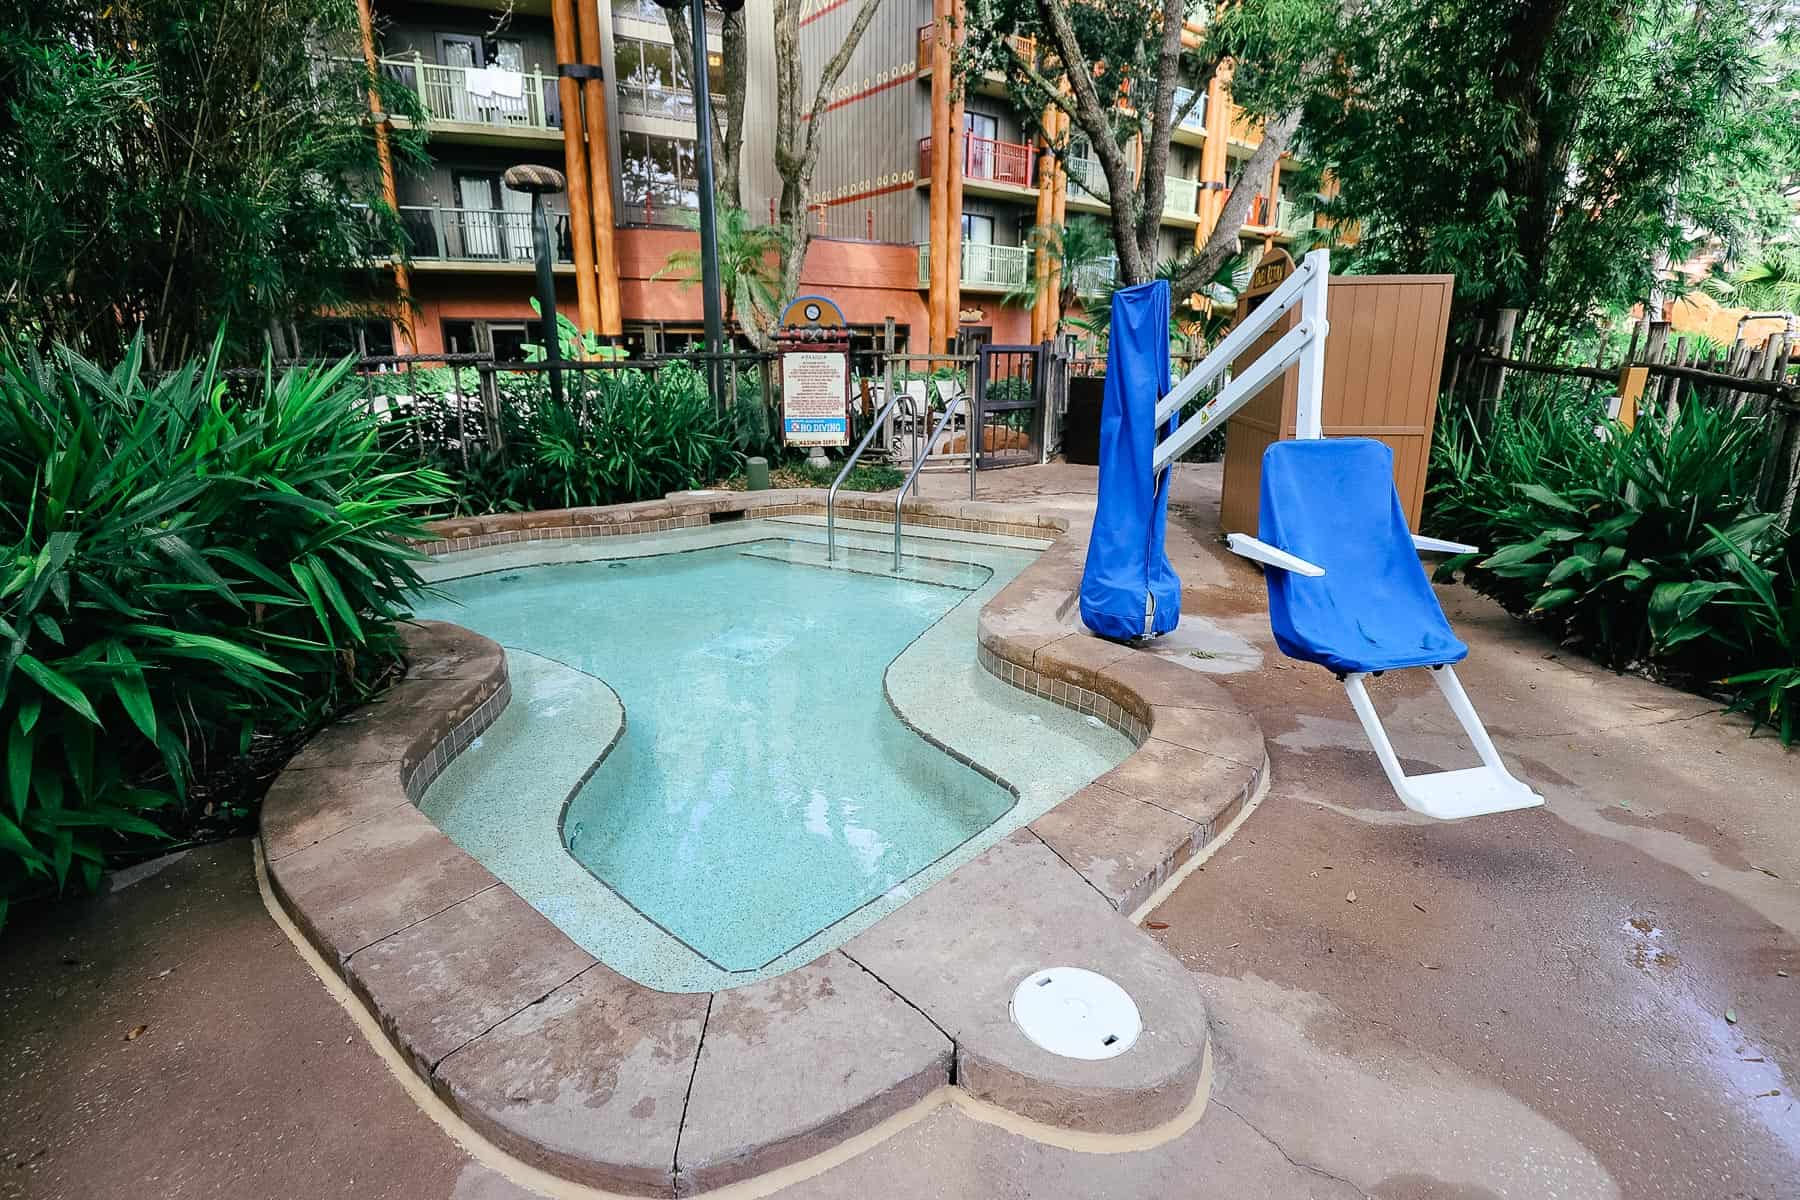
(986, 161)
(1196, 120)
(1096, 278)
(1290, 219)
(479, 104)
(1087, 180)
(492, 237)
(922, 65)
(985, 266)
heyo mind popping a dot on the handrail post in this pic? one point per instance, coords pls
(943, 423)
(831, 496)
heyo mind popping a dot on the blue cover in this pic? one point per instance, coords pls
(1127, 567)
(1332, 502)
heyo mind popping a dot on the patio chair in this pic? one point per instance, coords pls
(1347, 591)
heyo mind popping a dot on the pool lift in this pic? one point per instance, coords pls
(1346, 588)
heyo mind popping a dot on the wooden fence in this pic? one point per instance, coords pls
(1656, 377)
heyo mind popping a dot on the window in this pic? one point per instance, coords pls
(648, 82)
(505, 337)
(978, 229)
(981, 125)
(657, 174)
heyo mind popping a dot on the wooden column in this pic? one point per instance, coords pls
(940, 261)
(1213, 158)
(953, 219)
(1041, 321)
(1058, 185)
(581, 217)
(390, 191)
(599, 158)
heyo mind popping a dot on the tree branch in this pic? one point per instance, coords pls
(1091, 116)
(1223, 243)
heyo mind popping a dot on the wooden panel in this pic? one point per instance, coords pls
(1383, 360)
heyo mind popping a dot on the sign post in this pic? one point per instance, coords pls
(814, 344)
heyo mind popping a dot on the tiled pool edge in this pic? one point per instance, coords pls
(551, 991)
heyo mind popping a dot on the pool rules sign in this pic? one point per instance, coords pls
(815, 374)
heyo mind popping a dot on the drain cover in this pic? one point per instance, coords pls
(1076, 1013)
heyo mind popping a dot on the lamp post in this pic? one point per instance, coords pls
(709, 231)
(538, 182)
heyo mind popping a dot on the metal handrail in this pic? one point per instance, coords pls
(919, 465)
(831, 496)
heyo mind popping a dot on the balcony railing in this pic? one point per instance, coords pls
(1196, 120)
(1290, 218)
(988, 160)
(984, 265)
(522, 100)
(1181, 197)
(1094, 278)
(491, 235)
(656, 100)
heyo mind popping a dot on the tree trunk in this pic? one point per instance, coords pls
(797, 143)
(728, 103)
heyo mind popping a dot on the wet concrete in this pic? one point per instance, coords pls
(1583, 1001)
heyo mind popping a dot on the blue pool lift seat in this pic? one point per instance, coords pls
(1347, 591)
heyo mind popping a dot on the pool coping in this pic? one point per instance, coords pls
(479, 992)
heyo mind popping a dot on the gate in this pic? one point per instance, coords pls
(1008, 421)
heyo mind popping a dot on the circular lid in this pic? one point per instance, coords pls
(1076, 1013)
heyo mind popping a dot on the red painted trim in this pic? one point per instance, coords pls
(868, 195)
(865, 94)
(817, 13)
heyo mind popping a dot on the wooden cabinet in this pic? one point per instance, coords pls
(1383, 360)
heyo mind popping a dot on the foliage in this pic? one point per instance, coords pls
(182, 164)
(749, 269)
(1552, 154)
(863, 477)
(1644, 547)
(1073, 250)
(1206, 325)
(1768, 282)
(1110, 74)
(191, 566)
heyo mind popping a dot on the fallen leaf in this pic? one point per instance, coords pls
(1234, 945)
(1350, 897)
(1156, 924)
(137, 1031)
(1731, 1016)
(1767, 1094)
(1430, 966)
(1418, 906)
(1765, 871)
(1783, 974)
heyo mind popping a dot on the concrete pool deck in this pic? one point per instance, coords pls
(1522, 1006)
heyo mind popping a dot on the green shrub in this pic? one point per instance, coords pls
(1643, 547)
(192, 567)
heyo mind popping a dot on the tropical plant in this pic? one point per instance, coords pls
(1770, 605)
(197, 573)
(1078, 251)
(1768, 282)
(1629, 542)
(1556, 155)
(1205, 323)
(185, 165)
(749, 269)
